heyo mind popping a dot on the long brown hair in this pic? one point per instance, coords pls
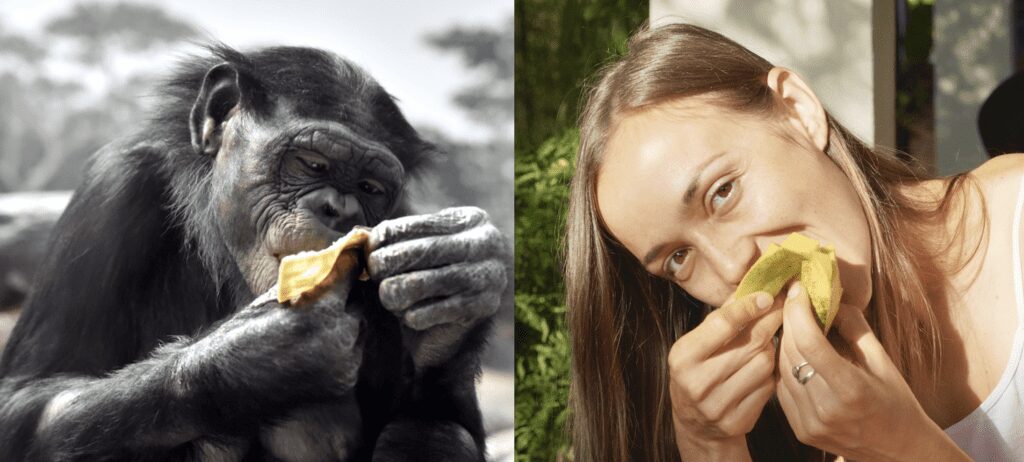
(623, 321)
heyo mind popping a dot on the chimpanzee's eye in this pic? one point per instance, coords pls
(372, 187)
(314, 164)
(309, 162)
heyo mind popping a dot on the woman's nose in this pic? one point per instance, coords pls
(731, 259)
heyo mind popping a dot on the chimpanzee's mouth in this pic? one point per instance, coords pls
(305, 242)
(312, 240)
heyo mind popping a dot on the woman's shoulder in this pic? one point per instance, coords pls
(999, 182)
(997, 178)
(1001, 174)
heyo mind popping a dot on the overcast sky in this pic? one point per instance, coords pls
(384, 37)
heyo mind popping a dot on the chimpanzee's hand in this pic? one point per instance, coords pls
(441, 274)
(278, 356)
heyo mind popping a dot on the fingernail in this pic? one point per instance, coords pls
(763, 300)
(793, 290)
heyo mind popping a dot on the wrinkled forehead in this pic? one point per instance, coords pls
(354, 112)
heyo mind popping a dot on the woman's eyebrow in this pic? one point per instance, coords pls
(691, 189)
(653, 253)
(691, 192)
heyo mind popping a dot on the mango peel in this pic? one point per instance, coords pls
(306, 275)
(801, 257)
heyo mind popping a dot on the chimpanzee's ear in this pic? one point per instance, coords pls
(219, 98)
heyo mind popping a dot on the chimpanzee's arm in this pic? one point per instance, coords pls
(255, 366)
(443, 276)
(442, 419)
(67, 418)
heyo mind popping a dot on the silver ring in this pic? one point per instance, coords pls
(796, 369)
(804, 379)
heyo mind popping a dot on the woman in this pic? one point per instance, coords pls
(695, 155)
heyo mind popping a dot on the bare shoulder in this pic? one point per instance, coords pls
(1000, 175)
(1000, 182)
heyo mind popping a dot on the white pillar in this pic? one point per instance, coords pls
(972, 53)
(844, 49)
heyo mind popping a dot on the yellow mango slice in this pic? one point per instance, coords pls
(802, 257)
(306, 274)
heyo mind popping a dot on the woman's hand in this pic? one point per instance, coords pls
(858, 407)
(721, 376)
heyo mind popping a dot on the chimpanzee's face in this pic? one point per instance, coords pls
(284, 184)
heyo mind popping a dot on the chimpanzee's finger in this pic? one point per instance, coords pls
(459, 309)
(402, 291)
(447, 221)
(475, 244)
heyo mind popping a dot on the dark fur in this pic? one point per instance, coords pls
(137, 262)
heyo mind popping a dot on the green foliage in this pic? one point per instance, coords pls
(558, 45)
(541, 196)
(542, 346)
(542, 380)
(914, 88)
(915, 82)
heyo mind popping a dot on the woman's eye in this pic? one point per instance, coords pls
(721, 194)
(676, 261)
(371, 187)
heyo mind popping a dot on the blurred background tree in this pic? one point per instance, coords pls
(101, 30)
(480, 172)
(558, 45)
(468, 169)
(49, 124)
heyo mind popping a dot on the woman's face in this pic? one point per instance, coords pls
(696, 194)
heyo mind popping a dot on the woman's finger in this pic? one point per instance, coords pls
(804, 404)
(852, 326)
(704, 376)
(751, 376)
(789, 359)
(755, 338)
(814, 389)
(806, 336)
(719, 327)
(792, 410)
(744, 415)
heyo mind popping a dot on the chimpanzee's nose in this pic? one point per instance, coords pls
(336, 211)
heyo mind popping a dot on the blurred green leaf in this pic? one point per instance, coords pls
(559, 44)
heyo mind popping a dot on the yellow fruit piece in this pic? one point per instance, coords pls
(307, 273)
(802, 257)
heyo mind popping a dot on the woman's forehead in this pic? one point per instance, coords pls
(678, 131)
(645, 164)
(653, 158)
(659, 149)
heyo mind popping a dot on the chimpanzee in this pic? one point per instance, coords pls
(142, 340)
